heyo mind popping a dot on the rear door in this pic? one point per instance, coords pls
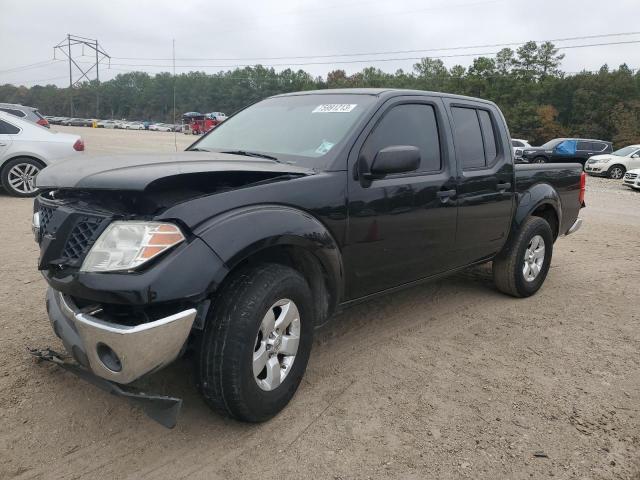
(486, 184)
(401, 227)
(584, 150)
(6, 132)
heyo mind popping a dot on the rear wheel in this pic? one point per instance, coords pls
(539, 160)
(616, 172)
(19, 177)
(522, 267)
(257, 342)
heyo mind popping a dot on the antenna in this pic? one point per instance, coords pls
(65, 47)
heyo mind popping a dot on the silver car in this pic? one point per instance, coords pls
(27, 113)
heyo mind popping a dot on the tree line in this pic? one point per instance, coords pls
(538, 99)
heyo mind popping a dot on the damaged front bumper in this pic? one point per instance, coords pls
(115, 352)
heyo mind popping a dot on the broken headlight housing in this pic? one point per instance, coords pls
(125, 245)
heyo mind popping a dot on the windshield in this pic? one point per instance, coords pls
(301, 128)
(625, 152)
(551, 143)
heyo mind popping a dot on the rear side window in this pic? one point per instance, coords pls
(8, 129)
(584, 145)
(13, 111)
(488, 136)
(410, 124)
(38, 114)
(475, 137)
(597, 146)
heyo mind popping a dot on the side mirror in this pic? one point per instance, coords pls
(395, 159)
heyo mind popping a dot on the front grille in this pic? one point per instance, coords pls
(45, 215)
(81, 238)
(631, 176)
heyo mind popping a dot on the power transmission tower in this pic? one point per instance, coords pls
(66, 47)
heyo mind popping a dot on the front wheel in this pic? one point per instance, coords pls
(257, 343)
(522, 267)
(616, 172)
(539, 160)
(19, 177)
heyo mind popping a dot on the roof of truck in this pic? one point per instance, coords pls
(380, 92)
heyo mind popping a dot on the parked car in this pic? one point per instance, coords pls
(295, 207)
(632, 179)
(614, 165)
(566, 150)
(26, 148)
(106, 124)
(134, 126)
(78, 122)
(518, 145)
(28, 113)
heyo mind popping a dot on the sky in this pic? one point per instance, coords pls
(211, 35)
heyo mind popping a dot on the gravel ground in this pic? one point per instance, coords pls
(446, 380)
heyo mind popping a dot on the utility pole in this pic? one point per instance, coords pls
(65, 46)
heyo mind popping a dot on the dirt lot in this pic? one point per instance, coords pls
(446, 380)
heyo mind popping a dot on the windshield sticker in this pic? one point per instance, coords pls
(335, 108)
(324, 147)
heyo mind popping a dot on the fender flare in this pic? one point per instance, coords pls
(535, 197)
(240, 233)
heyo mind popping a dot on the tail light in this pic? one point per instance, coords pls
(79, 145)
(43, 122)
(583, 188)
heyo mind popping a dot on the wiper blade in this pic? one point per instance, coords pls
(251, 154)
(196, 149)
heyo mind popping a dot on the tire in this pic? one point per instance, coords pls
(18, 176)
(539, 160)
(616, 172)
(510, 273)
(235, 334)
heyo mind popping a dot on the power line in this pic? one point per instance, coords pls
(29, 66)
(367, 60)
(388, 52)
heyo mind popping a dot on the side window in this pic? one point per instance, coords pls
(468, 137)
(410, 124)
(8, 129)
(597, 146)
(583, 145)
(517, 144)
(13, 111)
(489, 137)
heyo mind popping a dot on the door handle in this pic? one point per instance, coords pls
(502, 186)
(445, 195)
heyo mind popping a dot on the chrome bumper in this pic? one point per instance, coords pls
(119, 353)
(575, 227)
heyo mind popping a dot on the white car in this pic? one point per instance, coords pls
(518, 145)
(106, 124)
(614, 165)
(161, 127)
(632, 179)
(26, 148)
(134, 126)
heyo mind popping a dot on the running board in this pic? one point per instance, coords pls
(160, 408)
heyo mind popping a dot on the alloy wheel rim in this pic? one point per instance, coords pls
(616, 173)
(276, 344)
(22, 177)
(533, 258)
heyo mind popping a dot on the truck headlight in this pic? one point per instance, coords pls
(125, 245)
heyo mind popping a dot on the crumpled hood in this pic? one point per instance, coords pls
(138, 171)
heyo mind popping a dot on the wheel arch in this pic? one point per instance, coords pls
(285, 235)
(541, 200)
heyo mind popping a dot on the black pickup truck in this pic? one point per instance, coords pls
(297, 206)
